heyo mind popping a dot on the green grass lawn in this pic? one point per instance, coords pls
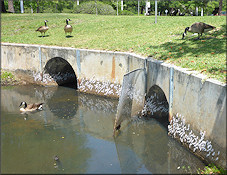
(136, 34)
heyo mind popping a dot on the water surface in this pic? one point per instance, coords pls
(78, 129)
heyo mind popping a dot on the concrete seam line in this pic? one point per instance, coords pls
(40, 59)
(171, 87)
(78, 62)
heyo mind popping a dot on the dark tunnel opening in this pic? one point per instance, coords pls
(61, 72)
(156, 105)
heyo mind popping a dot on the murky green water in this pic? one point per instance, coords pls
(78, 129)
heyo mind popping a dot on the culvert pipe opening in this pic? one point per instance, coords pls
(156, 105)
(61, 72)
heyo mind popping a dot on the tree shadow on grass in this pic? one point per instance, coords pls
(214, 43)
(204, 55)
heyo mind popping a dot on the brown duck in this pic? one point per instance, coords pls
(30, 107)
(43, 29)
(68, 28)
(198, 27)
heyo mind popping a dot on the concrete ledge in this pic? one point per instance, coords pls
(200, 100)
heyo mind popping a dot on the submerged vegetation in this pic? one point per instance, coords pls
(8, 78)
(6, 75)
(212, 169)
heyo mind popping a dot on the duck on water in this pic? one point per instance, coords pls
(30, 107)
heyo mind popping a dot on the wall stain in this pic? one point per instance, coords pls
(113, 68)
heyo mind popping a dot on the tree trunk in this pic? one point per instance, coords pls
(10, 6)
(138, 7)
(196, 11)
(3, 8)
(37, 9)
(21, 6)
(96, 7)
(117, 7)
(121, 5)
(220, 7)
(142, 7)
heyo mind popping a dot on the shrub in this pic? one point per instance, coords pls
(50, 10)
(125, 12)
(65, 10)
(6, 75)
(212, 169)
(90, 8)
(27, 10)
(211, 6)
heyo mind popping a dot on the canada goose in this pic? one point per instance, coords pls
(43, 29)
(68, 28)
(198, 27)
(30, 107)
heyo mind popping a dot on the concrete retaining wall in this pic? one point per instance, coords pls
(201, 103)
(86, 63)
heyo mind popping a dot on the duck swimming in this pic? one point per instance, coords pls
(30, 107)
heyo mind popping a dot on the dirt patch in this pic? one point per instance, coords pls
(12, 80)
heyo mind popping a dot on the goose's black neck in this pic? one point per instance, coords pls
(25, 105)
(67, 22)
(186, 29)
(45, 23)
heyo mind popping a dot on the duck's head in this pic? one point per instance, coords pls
(67, 20)
(23, 103)
(185, 31)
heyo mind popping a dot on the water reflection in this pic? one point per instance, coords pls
(66, 106)
(28, 147)
(78, 129)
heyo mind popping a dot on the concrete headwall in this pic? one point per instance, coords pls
(86, 63)
(203, 104)
(199, 102)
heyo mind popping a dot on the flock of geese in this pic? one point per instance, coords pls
(198, 27)
(68, 28)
